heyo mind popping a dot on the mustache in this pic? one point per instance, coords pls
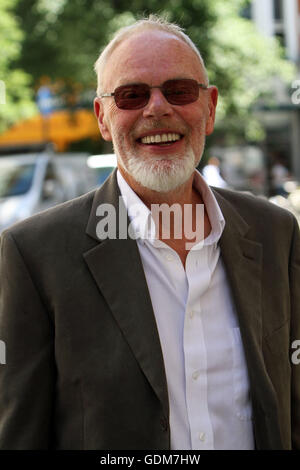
(159, 124)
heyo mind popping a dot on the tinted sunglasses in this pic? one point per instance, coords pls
(179, 92)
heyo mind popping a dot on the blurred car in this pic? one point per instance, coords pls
(102, 166)
(291, 201)
(30, 183)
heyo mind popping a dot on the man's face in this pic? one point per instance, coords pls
(153, 57)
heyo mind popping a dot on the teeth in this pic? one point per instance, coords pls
(158, 138)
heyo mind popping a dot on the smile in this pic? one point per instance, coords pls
(161, 138)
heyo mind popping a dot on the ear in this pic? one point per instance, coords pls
(212, 104)
(99, 111)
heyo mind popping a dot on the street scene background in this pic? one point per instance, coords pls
(50, 146)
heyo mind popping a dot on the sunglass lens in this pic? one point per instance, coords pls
(181, 92)
(132, 96)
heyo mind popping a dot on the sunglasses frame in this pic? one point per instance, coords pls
(161, 87)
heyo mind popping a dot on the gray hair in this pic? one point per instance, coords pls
(152, 22)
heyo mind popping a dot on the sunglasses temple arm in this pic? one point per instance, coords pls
(106, 95)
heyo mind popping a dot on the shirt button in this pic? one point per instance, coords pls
(202, 436)
(192, 313)
(169, 257)
(196, 375)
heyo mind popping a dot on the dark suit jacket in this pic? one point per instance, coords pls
(84, 366)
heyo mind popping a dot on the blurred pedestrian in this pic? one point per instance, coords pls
(212, 173)
(279, 176)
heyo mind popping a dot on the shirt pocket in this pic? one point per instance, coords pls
(241, 389)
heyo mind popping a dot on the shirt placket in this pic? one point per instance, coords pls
(195, 353)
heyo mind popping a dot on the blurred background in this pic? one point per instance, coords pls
(50, 146)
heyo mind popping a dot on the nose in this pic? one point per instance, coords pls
(157, 105)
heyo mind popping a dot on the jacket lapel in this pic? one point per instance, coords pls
(242, 257)
(116, 267)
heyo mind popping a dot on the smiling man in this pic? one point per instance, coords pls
(151, 341)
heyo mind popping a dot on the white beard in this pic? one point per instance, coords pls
(162, 177)
(161, 173)
(172, 172)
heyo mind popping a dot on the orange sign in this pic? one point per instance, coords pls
(61, 128)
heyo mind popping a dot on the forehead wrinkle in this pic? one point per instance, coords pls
(136, 54)
(128, 81)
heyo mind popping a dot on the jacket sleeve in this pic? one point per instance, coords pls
(27, 378)
(295, 335)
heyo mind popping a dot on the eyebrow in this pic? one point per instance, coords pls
(145, 83)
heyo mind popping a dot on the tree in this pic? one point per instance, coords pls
(17, 102)
(244, 65)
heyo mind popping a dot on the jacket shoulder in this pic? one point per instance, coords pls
(265, 221)
(252, 207)
(58, 221)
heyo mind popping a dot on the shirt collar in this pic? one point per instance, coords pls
(142, 223)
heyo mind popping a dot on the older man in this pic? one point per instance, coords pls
(145, 340)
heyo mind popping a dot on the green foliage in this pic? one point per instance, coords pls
(244, 65)
(18, 97)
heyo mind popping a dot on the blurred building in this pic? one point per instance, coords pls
(281, 19)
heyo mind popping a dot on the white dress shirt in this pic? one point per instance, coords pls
(205, 367)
